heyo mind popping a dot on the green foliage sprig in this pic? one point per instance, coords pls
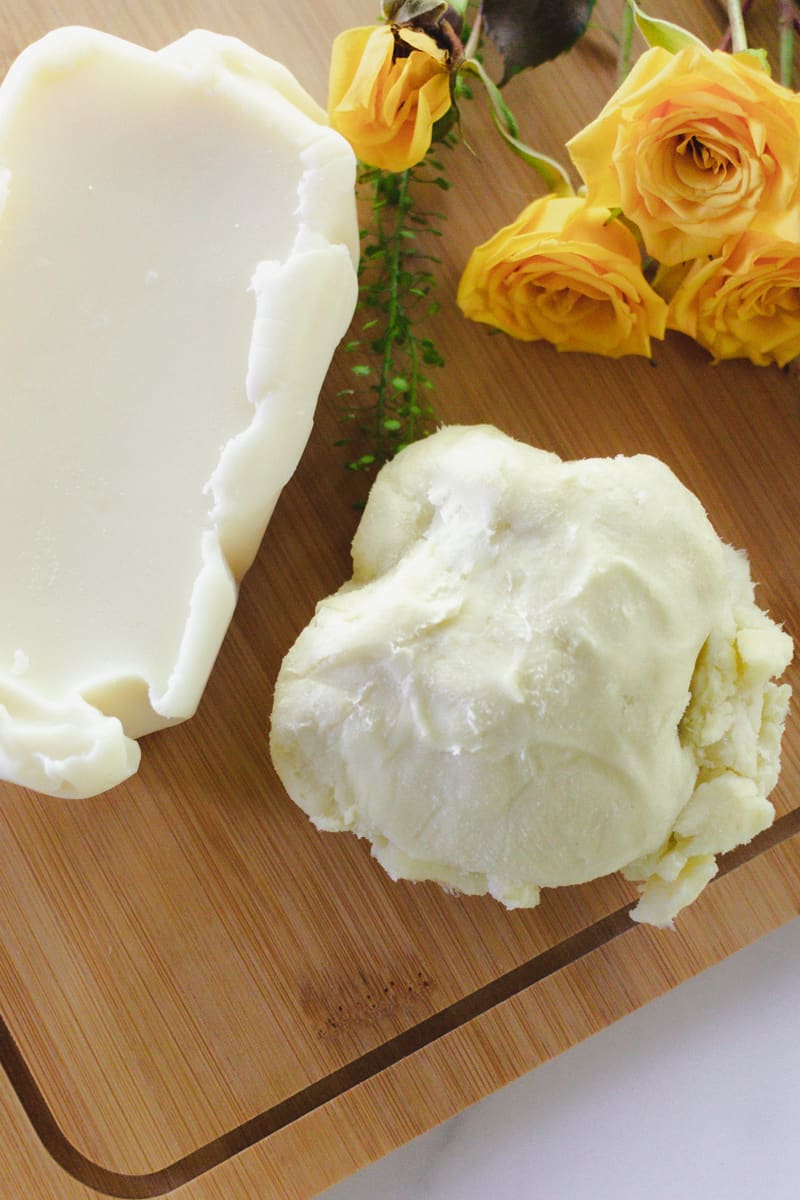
(396, 282)
(390, 403)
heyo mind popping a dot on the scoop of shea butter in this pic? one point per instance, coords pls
(179, 236)
(541, 672)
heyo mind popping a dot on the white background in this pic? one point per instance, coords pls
(694, 1097)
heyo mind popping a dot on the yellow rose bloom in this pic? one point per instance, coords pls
(744, 303)
(388, 86)
(694, 147)
(566, 273)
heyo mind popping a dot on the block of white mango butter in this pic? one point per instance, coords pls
(178, 239)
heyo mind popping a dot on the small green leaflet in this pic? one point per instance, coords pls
(663, 33)
(529, 32)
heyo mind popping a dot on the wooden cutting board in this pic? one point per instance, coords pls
(201, 996)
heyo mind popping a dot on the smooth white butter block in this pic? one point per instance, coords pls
(177, 263)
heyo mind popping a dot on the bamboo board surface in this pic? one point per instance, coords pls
(203, 997)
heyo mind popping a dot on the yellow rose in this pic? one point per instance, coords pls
(388, 86)
(694, 147)
(565, 273)
(745, 303)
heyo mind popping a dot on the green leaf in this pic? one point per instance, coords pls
(663, 33)
(530, 32)
(551, 171)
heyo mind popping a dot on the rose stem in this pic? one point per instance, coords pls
(625, 44)
(736, 13)
(786, 20)
(736, 22)
(474, 39)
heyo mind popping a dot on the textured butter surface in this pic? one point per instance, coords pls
(541, 672)
(178, 243)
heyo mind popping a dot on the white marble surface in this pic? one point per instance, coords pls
(694, 1097)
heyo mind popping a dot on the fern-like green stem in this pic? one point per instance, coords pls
(394, 256)
(413, 386)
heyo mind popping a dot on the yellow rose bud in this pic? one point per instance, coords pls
(568, 274)
(388, 86)
(744, 303)
(694, 147)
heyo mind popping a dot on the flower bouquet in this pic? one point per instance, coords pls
(677, 208)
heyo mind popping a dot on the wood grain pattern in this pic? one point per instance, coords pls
(202, 996)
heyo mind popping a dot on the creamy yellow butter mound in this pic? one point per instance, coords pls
(541, 672)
